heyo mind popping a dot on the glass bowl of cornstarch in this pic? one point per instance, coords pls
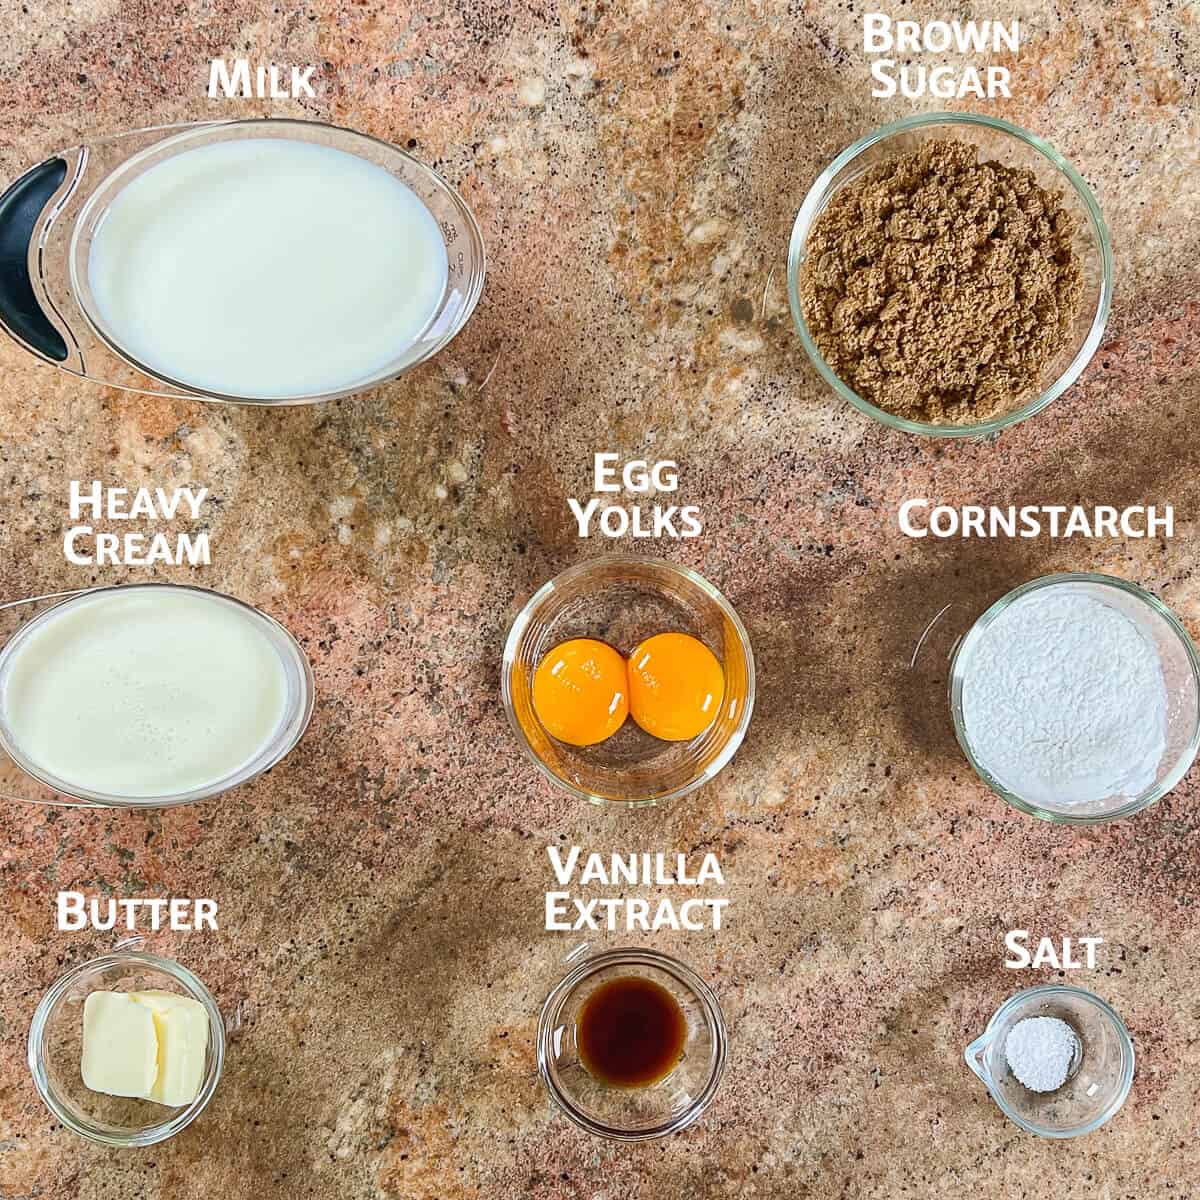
(1076, 698)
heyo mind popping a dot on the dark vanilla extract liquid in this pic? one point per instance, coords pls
(631, 1032)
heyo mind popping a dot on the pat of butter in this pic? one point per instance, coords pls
(181, 1030)
(120, 1046)
(151, 1045)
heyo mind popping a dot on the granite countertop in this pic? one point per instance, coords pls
(636, 169)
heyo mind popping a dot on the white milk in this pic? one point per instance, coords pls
(267, 268)
(143, 692)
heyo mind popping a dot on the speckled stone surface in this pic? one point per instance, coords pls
(636, 169)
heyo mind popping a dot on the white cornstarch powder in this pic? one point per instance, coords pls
(1064, 700)
(1039, 1051)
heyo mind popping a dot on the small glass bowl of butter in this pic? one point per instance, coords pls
(57, 1045)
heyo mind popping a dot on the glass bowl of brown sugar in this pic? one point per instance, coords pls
(950, 275)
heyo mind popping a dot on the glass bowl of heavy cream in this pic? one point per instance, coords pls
(147, 696)
(57, 1049)
(1076, 698)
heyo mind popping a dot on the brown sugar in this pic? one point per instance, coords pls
(941, 288)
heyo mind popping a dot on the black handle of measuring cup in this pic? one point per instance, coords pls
(20, 207)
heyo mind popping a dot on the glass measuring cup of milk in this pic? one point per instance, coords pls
(255, 262)
(148, 696)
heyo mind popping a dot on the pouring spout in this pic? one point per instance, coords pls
(976, 1056)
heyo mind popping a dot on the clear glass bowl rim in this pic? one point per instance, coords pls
(122, 954)
(237, 779)
(808, 212)
(185, 132)
(1050, 990)
(971, 638)
(626, 956)
(521, 622)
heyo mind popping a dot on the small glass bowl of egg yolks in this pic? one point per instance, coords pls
(628, 680)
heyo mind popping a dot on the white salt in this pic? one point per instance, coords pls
(1064, 700)
(1039, 1051)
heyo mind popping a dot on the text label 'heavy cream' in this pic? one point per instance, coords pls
(84, 547)
(638, 477)
(567, 911)
(902, 40)
(74, 911)
(1057, 953)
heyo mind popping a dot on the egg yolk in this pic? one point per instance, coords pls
(581, 692)
(675, 686)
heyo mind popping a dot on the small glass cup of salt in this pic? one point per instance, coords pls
(1098, 1076)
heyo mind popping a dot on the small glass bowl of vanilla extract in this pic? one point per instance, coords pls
(631, 1045)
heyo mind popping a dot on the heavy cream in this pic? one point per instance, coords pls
(267, 268)
(143, 692)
